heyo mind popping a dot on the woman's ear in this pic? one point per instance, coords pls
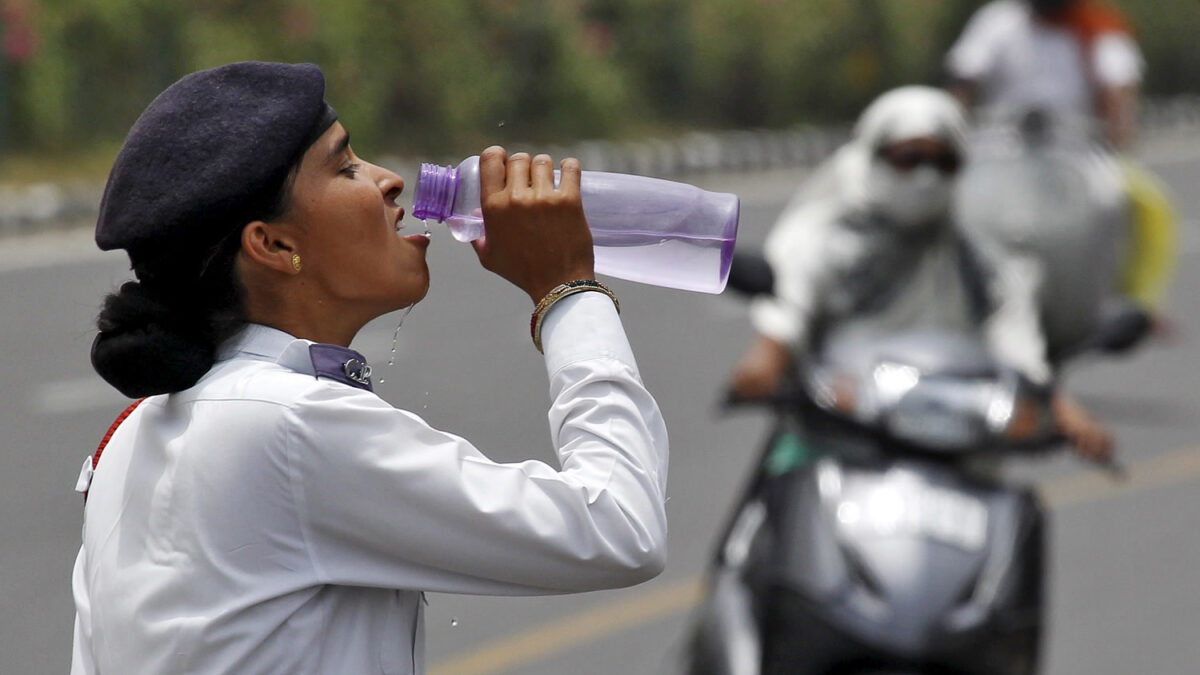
(269, 245)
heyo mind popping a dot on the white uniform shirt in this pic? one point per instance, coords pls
(267, 521)
(1020, 62)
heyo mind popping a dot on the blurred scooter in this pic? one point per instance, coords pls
(1044, 193)
(876, 535)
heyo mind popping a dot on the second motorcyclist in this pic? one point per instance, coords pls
(1078, 62)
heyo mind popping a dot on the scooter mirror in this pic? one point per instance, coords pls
(750, 274)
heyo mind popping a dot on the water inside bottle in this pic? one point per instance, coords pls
(675, 263)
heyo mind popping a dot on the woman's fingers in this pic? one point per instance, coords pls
(518, 174)
(572, 173)
(498, 172)
(542, 175)
(492, 173)
(537, 236)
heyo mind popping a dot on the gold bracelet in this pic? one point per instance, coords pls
(558, 293)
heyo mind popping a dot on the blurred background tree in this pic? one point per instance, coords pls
(451, 76)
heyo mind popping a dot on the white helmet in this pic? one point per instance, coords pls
(917, 193)
(912, 112)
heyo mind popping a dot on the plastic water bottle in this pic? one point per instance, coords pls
(644, 229)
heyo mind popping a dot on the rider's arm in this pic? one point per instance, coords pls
(1118, 112)
(1013, 328)
(1117, 67)
(972, 58)
(783, 321)
(761, 370)
(795, 249)
(1087, 435)
(1013, 331)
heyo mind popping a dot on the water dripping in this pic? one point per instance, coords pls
(404, 313)
(396, 338)
(396, 334)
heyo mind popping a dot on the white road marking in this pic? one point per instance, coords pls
(48, 249)
(76, 395)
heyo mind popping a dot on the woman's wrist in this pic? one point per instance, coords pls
(547, 301)
(538, 292)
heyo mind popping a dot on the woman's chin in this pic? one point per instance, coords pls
(409, 298)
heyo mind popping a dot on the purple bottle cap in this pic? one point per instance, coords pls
(434, 196)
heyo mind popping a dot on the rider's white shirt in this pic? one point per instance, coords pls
(267, 521)
(816, 259)
(1019, 62)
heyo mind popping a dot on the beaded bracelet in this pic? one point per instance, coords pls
(558, 293)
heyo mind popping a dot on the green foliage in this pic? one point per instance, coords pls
(451, 76)
(1167, 31)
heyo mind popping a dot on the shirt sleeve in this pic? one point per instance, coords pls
(1013, 329)
(795, 250)
(386, 500)
(1117, 61)
(973, 55)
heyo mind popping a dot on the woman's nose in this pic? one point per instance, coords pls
(390, 184)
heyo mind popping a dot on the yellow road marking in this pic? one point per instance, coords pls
(540, 642)
(1169, 469)
(565, 634)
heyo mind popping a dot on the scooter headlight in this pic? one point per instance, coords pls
(941, 413)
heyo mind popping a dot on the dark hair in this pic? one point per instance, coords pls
(161, 333)
(1051, 5)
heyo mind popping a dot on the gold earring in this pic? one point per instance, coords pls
(296, 261)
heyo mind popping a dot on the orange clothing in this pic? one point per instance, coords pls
(1089, 19)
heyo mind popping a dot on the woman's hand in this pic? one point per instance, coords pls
(536, 234)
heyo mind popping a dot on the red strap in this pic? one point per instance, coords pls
(1089, 19)
(108, 436)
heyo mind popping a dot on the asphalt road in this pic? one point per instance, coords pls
(1124, 594)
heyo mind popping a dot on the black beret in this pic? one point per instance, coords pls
(200, 160)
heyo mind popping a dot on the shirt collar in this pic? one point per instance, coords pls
(257, 341)
(263, 343)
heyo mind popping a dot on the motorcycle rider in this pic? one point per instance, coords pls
(1074, 57)
(869, 245)
(1078, 60)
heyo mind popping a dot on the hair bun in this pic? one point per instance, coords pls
(144, 349)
